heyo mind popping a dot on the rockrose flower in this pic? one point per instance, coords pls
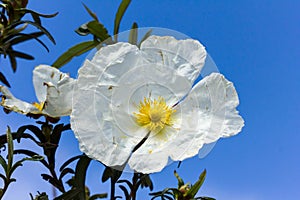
(53, 90)
(140, 105)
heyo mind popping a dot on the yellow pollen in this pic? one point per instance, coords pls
(154, 114)
(39, 106)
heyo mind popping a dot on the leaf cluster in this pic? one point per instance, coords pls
(12, 31)
(100, 35)
(184, 191)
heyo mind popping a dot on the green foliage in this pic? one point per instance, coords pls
(119, 15)
(98, 31)
(12, 29)
(48, 133)
(183, 191)
(133, 35)
(74, 51)
(9, 166)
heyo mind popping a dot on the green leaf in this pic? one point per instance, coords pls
(22, 37)
(91, 13)
(98, 30)
(195, 188)
(66, 171)
(3, 163)
(52, 181)
(10, 146)
(31, 154)
(80, 175)
(20, 162)
(24, 10)
(146, 181)
(133, 35)
(76, 50)
(147, 34)
(4, 80)
(13, 62)
(98, 196)
(125, 191)
(119, 15)
(35, 130)
(112, 173)
(19, 54)
(69, 161)
(41, 28)
(180, 181)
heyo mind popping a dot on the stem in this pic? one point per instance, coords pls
(6, 184)
(112, 189)
(135, 185)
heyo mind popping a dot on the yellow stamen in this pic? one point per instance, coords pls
(154, 114)
(39, 106)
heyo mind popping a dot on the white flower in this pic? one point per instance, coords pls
(53, 90)
(126, 95)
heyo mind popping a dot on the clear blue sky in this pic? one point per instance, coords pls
(255, 44)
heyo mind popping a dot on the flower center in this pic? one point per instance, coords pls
(154, 114)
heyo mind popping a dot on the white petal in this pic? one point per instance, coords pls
(55, 88)
(207, 113)
(45, 74)
(59, 98)
(11, 103)
(186, 57)
(92, 119)
(146, 81)
(216, 112)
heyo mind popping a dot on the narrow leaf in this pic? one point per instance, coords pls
(126, 193)
(133, 35)
(147, 34)
(10, 147)
(91, 13)
(195, 188)
(31, 154)
(37, 26)
(35, 130)
(13, 62)
(20, 55)
(20, 162)
(65, 172)
(3, 163)
(80, 175)
(98, 196)
(98, 30)
(24, 10)
(119, 15)
(179, 179)
(74, 51)
(4, 80)
(22, 37)
(69, 161)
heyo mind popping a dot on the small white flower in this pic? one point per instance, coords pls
(53, 90)
(126, 95)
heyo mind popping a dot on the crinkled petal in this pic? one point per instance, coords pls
(207, 114)
(186, 57)
(92, 116)
(45, 74)
(55, 88)
(216, 101)
(11, 103)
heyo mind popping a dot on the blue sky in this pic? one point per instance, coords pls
(255, 44)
